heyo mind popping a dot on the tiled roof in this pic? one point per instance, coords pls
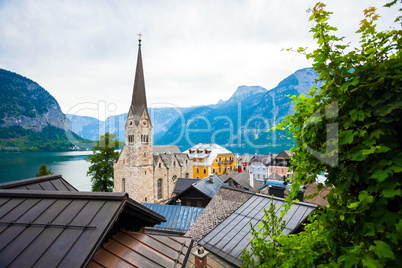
(52, 228)
(182, 184)
(227, 200)
(320, 199)
(285, 154)
(231, 236)
(132, 249)
(178, 218)
(44, 183)
(162, 149)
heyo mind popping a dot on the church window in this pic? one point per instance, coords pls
(186, 162)
(145, 154)
(145, 199)
(174, 178)
(147, 138)
(130, 138)
(145, 173)
(124, 161)
(174, 163)
(160, 165)
(123, 185)
(187, 175)
(160, 188)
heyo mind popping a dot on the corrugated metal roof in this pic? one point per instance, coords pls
(178, 218)
(207, 187)
(51, 228)
(131, 249)
(45, 183)
(232, 235)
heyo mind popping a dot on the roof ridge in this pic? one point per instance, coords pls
(64, 194)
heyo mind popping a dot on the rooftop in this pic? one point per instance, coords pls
(44, 183)
(232, 235)
(54, 228)
(178, 218)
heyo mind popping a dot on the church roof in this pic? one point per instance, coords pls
(139, 99)
(161, 149)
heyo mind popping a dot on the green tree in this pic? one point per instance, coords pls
(359, 107)
(101, 160)
(43, 171)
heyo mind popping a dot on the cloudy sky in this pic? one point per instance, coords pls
(194, 52)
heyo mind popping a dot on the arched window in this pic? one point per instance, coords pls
(160, 181)
(187, 175)
(174, 163)
(174, 178)
(147, 138)
(142, 138)
(123, 185)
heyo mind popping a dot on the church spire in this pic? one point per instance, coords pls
(139, 100)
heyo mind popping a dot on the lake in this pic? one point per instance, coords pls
(72, 165)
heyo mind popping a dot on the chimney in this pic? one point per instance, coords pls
(201, 258)
(211, 178)
(252, 180)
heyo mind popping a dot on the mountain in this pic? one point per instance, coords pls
(31, 118)
(24, 103)
(242, 123)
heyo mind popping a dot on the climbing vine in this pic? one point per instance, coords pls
(348, 127)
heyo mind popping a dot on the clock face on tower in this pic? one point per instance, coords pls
(144, 123)
(130, 123)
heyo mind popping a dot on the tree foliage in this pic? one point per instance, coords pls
(358, 106)
(101, 160)
(43, 171)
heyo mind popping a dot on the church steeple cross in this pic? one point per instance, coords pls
(139, 38)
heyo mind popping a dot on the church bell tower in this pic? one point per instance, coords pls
(133, 171)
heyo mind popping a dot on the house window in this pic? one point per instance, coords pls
(272, 169)
(205, 171)
(220, 170)
(198, 171)
(160, 181)
(186, 162)
(123, 185)
(282, 170)
(276, 170)
(258, 175)
(213, 170)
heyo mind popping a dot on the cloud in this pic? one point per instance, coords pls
(194, 52)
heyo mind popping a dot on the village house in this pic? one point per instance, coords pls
(211, 159)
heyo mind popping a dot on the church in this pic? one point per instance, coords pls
(146, 174)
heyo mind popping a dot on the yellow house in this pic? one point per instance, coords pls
(211, 159)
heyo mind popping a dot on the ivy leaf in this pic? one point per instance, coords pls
(382, 250)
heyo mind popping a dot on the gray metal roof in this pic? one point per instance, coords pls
(65, 229)
(231, 236)
(45, 183)
(178, 218)
(182, 184)
(207, 187)
(162, 149)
